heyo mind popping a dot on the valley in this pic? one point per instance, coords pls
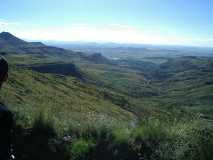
(120, 103)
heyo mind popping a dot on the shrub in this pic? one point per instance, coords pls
(81, 149)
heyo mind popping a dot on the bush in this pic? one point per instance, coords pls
(150, 140)
(81, 149)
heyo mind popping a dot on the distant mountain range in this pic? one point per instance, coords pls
(12, 44)
(133, 51)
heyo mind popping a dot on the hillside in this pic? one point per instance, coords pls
(183, 81)
(75, 106)
(62, 99)
(11, 44)
(63, 69)
(98, 58)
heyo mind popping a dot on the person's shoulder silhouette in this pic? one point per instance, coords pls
(6, 117)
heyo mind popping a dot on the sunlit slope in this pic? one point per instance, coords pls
(62, 99)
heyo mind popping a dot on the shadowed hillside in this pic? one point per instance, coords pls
(66, 69)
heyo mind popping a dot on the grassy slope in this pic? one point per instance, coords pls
(112, 99)
(183, 83)
(186, 84)
(189, 84)
(62, 99)
(74, 105)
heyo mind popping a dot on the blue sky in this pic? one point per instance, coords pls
(183, 22)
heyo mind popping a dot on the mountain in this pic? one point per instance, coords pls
(11, 44)
(98, 58)
(8, 39)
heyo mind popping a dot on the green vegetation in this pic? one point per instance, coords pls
(153, 139)
(63, 99)
(99, 120)
(88, 107)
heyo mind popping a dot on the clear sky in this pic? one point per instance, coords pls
(185, 22)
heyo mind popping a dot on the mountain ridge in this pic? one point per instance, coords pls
(10, 39)
(12, 44)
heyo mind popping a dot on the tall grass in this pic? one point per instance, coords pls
(152, 140)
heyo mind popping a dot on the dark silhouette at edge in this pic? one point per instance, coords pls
(6, 117)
